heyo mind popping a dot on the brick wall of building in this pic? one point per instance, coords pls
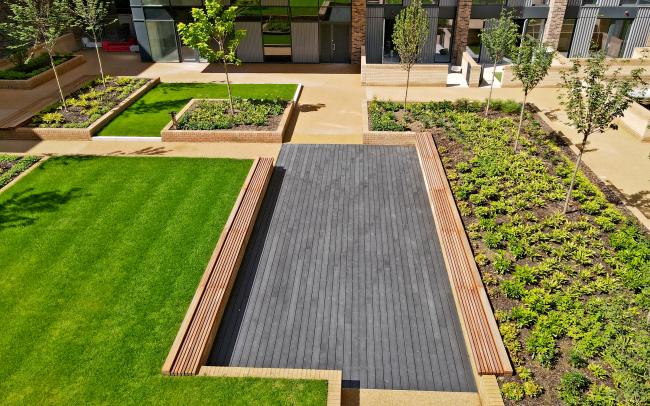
(358, 29)
(553, 25)
(460, 31)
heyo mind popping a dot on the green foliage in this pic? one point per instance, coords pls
(512, 391)
(12, 165)
(32, 67)
(215, 114)
(600, 395)
(572, 386)
(500, 35)
(542, 346)
(531, 62)
(532, 390)
(410, 33)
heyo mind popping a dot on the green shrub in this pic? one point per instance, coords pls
(522, 316)
(542, 347)
(597, 371)
(576, 359)
(32, 67)
(512, 289)
(572, 386)
(601, 395)
(532, 390)
(215, 114)
(512, 391)
(501, 263)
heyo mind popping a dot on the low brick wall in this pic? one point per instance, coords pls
(377, 74)
(383, 137)
(561, 64)
(168, 134)
(471, 70)
(77, 134)
(26, 84)
(636, 120)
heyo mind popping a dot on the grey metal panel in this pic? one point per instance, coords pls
(304, 42)
(429, 50)
(374, 34)
(574, 3)
(448, 3)
(142, 35)
(608, 3)
(344, 271)
(251, 48)
(638, 32)
(583, 32)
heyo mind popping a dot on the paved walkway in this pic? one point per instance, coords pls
(331, 104)
(344, 271)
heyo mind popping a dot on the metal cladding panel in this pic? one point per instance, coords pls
(484, 57)
(429, 50)
(304, 42)
(608, 3)
(251, 48)
(638, 32)
(583, 32)
(448, 3)
(374, 34)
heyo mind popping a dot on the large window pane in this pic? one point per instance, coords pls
(444, 37)
(610, 36)
(390, 54)
(566, 35)
(473, 39)
(276, 36)
(162, 41)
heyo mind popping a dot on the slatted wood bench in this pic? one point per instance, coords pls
(196, 335)
(479, 326)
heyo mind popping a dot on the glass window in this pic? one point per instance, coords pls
(566, 35)
(187, 3)
(444, 35)
(162, 41)
(390, 54)
(535, 28)
(610, 36)
(473, 39)
(276, 36)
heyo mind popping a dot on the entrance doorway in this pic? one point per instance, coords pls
(335, 43)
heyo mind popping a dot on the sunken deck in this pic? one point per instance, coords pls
(344, 271)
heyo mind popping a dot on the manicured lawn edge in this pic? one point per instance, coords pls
(169, 134)
(26, 84)
(334, 378)
(80, 134)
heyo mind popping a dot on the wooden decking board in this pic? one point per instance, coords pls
(343, 271)
(195, 337)
(485, 342)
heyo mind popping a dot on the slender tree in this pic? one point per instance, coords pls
(593, 98)
(499, 38)
(530, 67)
(409, 35)
(33, 23)
(215, 24)
(90, 16)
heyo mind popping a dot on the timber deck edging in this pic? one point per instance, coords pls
(196, 334)
(480, 328)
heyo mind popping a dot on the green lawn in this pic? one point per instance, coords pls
(147, 116)
(100, 258)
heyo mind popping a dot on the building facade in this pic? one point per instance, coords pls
(338, 31)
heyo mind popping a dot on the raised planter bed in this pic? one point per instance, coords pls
(34, 81)
(79, 134)
(374, 137)
(170, 134)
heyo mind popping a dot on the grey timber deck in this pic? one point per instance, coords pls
(344, 271)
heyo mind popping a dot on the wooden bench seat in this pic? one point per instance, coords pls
(197, 332)
(479, 326)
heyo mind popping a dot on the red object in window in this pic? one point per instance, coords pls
(118, 46)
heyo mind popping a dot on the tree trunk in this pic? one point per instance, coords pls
(521, 120)
(58, 83)
(99, 59)
(494, 69)
(232, 107)
(575, 173)
(406, 94)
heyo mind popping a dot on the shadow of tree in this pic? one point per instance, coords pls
(640, 200)
(149, 151)
(306, 108)
(23, 208)
(158, 106)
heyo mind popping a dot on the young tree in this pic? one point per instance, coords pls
(90, 16)
(498, 38)
(215, 24)
(593, 98)
(530, 67)
(409, 35)
(34, 23)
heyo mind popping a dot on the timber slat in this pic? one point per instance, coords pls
(487, 349)
(197, 332)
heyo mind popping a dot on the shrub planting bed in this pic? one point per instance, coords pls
(87, 104)
(571, 292)
(13, 165)
(33, 67)
(257, 115)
